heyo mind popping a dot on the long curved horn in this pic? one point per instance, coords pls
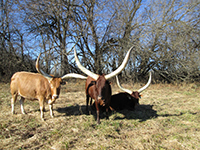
(123, 89)
(83, 69)
(70, 75)
(73, 75)
(139, 91)
(121, 67)
(39, 70)
(148, 83)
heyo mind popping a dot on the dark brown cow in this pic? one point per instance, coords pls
(128, 99)
(98, 87)
(99, 90)
(34, 86)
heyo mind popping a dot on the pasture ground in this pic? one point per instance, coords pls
(168, 118)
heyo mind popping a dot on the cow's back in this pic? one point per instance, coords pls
(30, 85)
(90, 88)
(118, 101)
(108, 93)
(122, 101)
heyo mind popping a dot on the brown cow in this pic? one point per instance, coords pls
(98, 87)
(34, 86)
(128, 99)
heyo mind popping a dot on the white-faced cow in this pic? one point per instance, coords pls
(98, 87)
(34, 86)
(127, 99)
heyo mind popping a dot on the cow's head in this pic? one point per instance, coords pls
(134, 95)
(132, 100)
(102, 89)
(100, 81)
(55, 82)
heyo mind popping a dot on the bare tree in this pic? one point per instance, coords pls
(105, 31)
(49, 20)
(171, 36)
(13, 56)
(165, 35)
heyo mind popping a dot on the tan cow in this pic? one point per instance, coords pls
(34, 86)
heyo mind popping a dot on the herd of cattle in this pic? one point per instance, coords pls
(46, 88)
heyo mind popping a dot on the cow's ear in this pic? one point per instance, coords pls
(63, 83)
(129, 97)
(50, 80)
(108, 82)
(93, 82)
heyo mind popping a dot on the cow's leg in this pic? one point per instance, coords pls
(107, 116)
(13, 100)
(51, 110)
(41, 102)
(22, 105)
(87, 101)
(107, 108)
(97, 108)
(112, 109)
(90, 101)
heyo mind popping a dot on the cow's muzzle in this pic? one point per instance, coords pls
(54, 97)
(99, 98)
(101, 101)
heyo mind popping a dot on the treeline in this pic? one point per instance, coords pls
(165, 35)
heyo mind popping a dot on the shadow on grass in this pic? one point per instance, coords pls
(141, 112)
(74, 110)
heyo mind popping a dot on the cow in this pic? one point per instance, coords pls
(37, 86)
(98, 87)
(127, 99)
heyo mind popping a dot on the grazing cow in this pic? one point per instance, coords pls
(98, 87)
(128, 99)
(34, 86)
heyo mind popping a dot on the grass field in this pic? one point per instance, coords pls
(168, 118)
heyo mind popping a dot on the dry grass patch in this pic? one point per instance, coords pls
(168, 118)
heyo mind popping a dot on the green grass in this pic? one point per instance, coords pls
(168, 118)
